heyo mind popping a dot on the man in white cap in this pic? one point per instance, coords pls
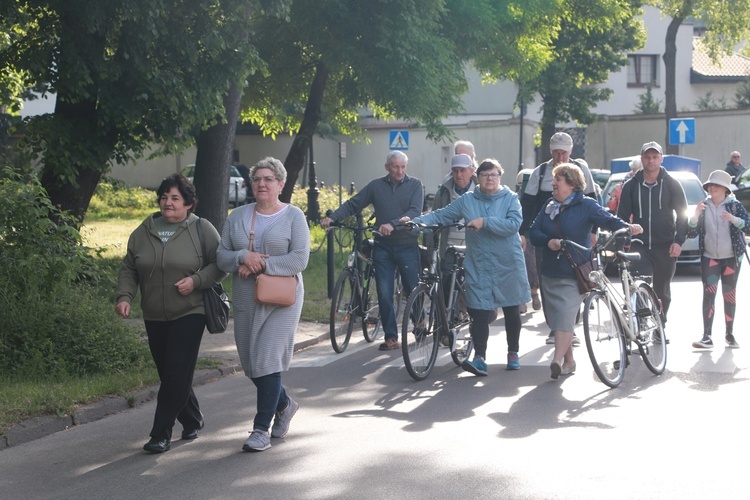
(657, 202)
(462, 180)
(539, 189)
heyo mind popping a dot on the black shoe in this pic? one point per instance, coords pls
(704, 343)
(189, 434)
(157, 445)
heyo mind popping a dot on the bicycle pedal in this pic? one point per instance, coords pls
(371, 321)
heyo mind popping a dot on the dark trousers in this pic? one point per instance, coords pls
(272, 398)
(480, 328)
(174, 347)
(712, 271)
(656, 262)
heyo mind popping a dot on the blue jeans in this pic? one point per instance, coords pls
(386, 259)
(271, 399)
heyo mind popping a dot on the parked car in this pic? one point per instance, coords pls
(694, 193)
(237, 185)
(742, 192)
(600, 176)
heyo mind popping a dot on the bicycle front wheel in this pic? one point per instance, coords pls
(462, 344)
(651, 339)
(605, 341)
(343, 310)
(419, 344)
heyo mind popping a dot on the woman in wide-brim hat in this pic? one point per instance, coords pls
(719, 222)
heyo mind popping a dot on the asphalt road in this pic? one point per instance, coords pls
(366, 430)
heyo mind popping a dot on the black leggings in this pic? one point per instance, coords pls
(480, 328)
(712, 271)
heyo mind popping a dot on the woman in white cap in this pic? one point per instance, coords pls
(719, 222)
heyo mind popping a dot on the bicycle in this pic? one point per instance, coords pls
(428, 319)
(353, 295)
(615, 319)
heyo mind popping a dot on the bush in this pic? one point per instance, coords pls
(114, 198)
(56, 319)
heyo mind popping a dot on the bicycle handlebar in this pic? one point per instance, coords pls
(422, 227)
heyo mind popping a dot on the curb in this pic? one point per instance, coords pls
(40, 427)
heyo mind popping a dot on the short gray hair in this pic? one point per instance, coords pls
(467, 144)
(272, 164)
(396, 154)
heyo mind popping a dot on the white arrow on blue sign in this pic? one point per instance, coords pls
(681, 131)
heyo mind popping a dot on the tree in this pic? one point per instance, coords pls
(592, 40)
(127, 74)
(727, 23)
(647, 103)
(402, 60)
(215, 143)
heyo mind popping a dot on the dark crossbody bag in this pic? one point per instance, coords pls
(215, 299)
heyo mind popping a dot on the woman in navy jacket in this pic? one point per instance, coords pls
(568, 215)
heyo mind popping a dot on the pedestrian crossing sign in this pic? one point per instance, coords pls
(399, 139)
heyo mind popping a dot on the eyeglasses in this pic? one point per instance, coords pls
(268, 179)
(485, 175)
(735, 156)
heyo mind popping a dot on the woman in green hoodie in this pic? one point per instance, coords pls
(164, 261)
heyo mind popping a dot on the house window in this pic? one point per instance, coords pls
(642, 70)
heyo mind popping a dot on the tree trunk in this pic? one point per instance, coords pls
(670, 67)
(548, 126)
(670, 64)
(70, 186)
(215, 147)
(295, 159)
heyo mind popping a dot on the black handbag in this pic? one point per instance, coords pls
(215, 299)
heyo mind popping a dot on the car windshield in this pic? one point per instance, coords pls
(693, 191)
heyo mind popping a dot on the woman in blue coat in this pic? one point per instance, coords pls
(494, 265)
(568, 215)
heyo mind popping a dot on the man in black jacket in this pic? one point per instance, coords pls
(657, 202)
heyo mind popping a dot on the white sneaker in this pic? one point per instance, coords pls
(281, 422)
(259, 440)
(576, 341)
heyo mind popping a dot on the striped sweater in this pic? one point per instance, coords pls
(265, 334)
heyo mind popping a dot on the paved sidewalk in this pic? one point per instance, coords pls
(220, 346)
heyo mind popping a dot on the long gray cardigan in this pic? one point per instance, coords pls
(265, 334)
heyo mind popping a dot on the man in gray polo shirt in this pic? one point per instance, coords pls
(394, 196)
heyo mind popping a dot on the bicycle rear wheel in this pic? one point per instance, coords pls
(343, 310)
(651, 339)
(419, 344)
(605, 341)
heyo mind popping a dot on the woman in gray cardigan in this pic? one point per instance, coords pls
(265, 334)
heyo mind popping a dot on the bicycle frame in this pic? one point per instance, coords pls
(626, 297)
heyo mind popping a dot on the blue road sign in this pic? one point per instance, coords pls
(399, 139)
(681, 131)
